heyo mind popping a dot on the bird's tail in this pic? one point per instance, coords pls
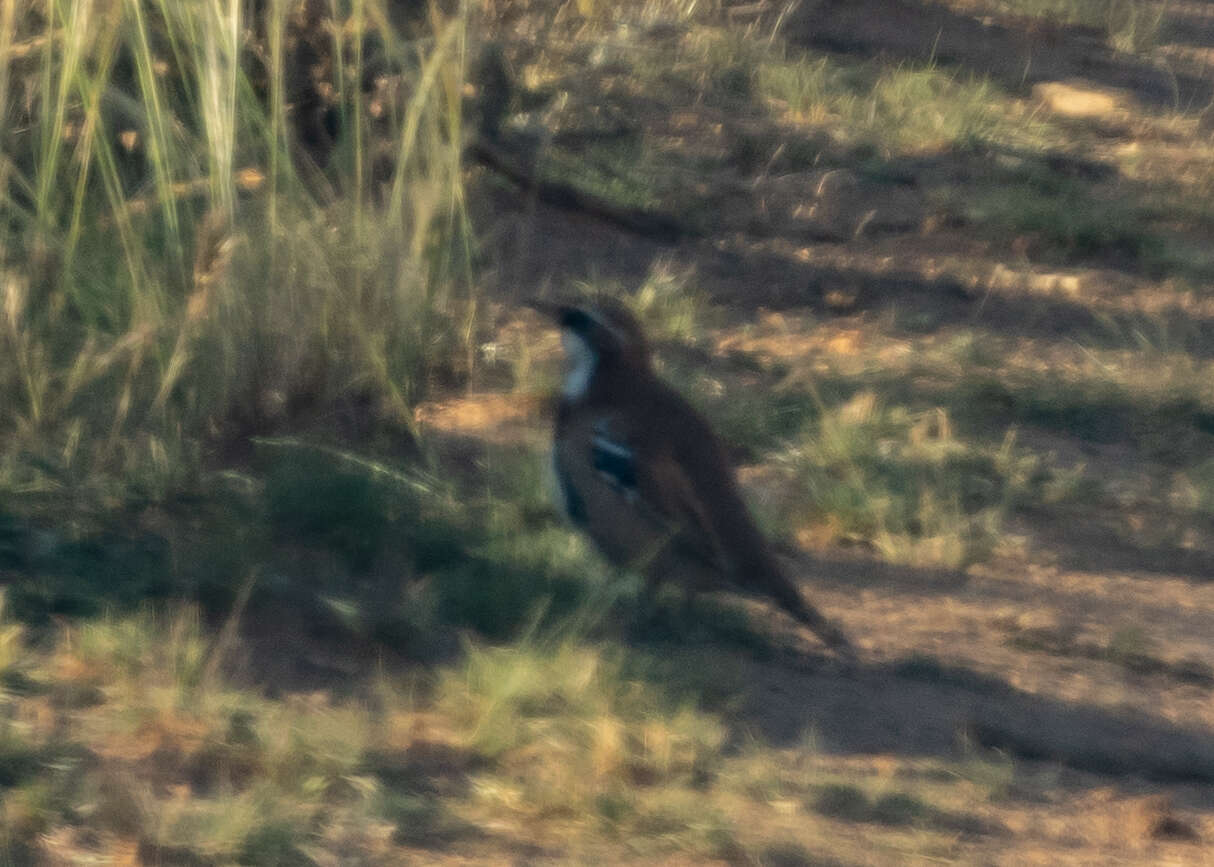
(790, 599)
(756, 569)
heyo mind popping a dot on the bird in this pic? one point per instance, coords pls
(644, 475)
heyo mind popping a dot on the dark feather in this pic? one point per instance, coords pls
(615, 461)
(575, 508)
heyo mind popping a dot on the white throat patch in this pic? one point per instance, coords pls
(582, 361)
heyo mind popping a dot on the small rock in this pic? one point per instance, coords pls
(1080, 100)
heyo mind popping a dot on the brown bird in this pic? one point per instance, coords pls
(643, 474)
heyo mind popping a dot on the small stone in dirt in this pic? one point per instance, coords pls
(1080, 100)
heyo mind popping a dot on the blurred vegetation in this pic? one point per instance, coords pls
(207, 234)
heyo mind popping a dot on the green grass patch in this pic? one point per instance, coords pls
(616, 173)
(572, 733)
(264, 779)
(892, 109)
(904, 483)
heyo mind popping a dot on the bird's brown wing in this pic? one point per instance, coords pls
(689, 481)
(666, 488)
(650, 476)
(674, 490)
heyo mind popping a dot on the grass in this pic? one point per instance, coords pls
(246, 771)
(892, 110)
(578, 702)
(613, 173)
(668, 303)
(1198, 490)
(905, 484)
(532, 735)
(180, 271)
(533, 730)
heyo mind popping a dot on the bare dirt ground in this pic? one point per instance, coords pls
(1082, 647)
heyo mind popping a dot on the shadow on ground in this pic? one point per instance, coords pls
(920, 706)
(1016, 58)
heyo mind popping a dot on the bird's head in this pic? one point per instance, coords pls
(595, 335)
